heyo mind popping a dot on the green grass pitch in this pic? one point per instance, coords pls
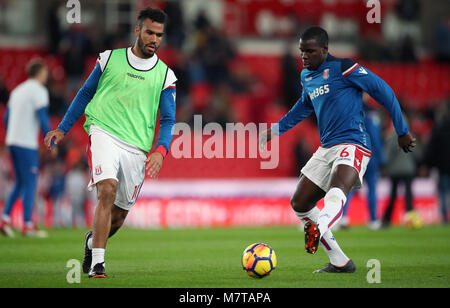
(210, 258)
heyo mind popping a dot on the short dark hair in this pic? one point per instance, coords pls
(315, 33)
(154, 14)
(34, 67)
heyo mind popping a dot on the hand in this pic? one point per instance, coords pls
(154, 163)
(54, 152)
(264, 137)
(57, 135)
(407, 142)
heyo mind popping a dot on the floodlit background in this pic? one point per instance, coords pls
(236, 61)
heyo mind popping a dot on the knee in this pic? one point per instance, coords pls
(299, 205)
(106, 191)
(295, 204)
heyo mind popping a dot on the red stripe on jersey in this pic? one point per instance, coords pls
(351, 69)
(358, 159)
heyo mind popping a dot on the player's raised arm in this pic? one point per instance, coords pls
(379, 90)
(76, 108)
(302, 109)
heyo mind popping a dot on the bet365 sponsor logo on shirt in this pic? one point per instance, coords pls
(319, 91)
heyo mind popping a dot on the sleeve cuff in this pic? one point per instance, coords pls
(61, 129)
(275, 129)
(161, 149)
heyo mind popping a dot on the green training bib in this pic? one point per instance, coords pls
(126, 102)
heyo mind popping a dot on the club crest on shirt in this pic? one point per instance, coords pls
(98, 170)
(326, 73)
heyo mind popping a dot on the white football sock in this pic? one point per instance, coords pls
(334, 252)
(98, 256)
(328, 242)
(332, 211)
(313, 215)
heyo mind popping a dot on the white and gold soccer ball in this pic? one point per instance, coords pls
(259, 260)
(412, 220)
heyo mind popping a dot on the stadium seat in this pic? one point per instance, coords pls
(200, 94)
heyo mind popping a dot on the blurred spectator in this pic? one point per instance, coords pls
(75, 48)
(201, 22)
(175, 26)
(400, 167)
(303, 153)
(442, 40)
(219, 109)
(242, 79)
(4, 94)
(5, 173)
(374, 48)
(262, 97)
(58, 103)
(53, 27)
(402, 30)
(117, 39)
(291, 86)
(437, 154)
(43, 185)
(26, 114)
(56, 192)
(75, 190)
(215, 53)
(180, 68)
(408, 10)
(407, 52)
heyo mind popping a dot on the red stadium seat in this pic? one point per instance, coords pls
(200, 94)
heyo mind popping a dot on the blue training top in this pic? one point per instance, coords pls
(334, 93)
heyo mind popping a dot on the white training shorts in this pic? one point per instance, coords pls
(112, 158)
(322, 164)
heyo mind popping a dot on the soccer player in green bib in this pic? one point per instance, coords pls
(121, 99)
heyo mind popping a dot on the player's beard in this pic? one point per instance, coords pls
(143, 50)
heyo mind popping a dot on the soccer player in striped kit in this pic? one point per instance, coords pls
(332, 89)
(121, 99)
(26, 114)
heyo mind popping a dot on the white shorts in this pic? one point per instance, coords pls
(321, 165)
(111, 158)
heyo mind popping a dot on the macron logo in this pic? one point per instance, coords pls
(362, 71)
(136, 76)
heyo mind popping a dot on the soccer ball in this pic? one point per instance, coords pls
(259, 260)
(412, 220)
